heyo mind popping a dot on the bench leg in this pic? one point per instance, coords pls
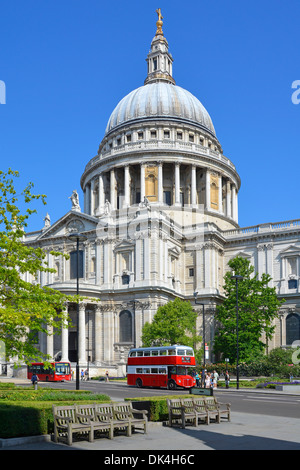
(70, 435)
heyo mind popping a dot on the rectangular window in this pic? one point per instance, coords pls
(191, 272)
(154, 353)
(140, 135)
(73, 264)
(153, 134)
(154, 370)
(166, 134)
(179, 135)
(128, 138)
(293, 283)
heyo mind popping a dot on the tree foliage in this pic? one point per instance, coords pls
(258, 306)
(26, 308)
(173, 323)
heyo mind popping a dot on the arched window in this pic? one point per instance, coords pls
(292, 328)
(125, 327)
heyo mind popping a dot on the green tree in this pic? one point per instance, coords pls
(25, 308)
(173, 323)
(258, 307)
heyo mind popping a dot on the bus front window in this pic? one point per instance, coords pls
(63, 368)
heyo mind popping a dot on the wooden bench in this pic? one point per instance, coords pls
(223, 409)
(66, 424)
(196, 409)
(200, 404)
(124, 412)
(88, 414)
(180, 414)
(105, 413)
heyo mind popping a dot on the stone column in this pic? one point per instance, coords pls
(98, 335)
(65, 337)
(160, 183)
(193, 186)
(228, 199)
(112, 189)
(177, 184)
(142, 182)
(207, 190)
(49, 343)
(126, 187)
(92, 197)
(233, 203)
(220, 194)
(101, 194)
(81, 335)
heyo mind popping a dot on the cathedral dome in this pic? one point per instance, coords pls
(160, 100)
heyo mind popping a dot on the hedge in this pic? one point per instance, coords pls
(19, 419)
(28, 412)
(156, 406)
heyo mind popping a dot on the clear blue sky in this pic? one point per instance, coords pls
(67, 63)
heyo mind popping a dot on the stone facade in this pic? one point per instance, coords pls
(160, 214)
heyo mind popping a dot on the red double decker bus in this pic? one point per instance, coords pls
(56, 372)
(166, 367)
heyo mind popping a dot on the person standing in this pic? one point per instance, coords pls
(227, 379)
(203, 377)
(215, 380)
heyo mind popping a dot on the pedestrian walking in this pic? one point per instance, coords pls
(207, 380)
(106, 373)
(82, 374)
(203, 377)
(227, 379)
(215, 379)
(197, 379)
(34, 379)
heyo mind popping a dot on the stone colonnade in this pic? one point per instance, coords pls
(219, 192)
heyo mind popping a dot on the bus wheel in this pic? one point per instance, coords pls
(139, 383)
(171, 385)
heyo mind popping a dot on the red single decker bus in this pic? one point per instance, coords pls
(165, 367)
(57, 372)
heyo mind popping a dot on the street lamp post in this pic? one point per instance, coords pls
(237, 279)
(78, 237)
(203, 323)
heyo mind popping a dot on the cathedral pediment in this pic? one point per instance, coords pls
(73, 221)
(291, 250)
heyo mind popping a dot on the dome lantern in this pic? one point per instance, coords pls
(159, 59)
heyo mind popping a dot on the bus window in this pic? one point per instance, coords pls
(146, 371)
(154, 370)
(180, 352)
(172, 352)
(162, 370)
(139, 370)
(146, 353)
(154, 353)
(189, 352)
(163, 352)
(133, 354)
(63, 368)
(139, 353)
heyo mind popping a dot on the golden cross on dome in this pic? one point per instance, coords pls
(160, 17)
(159, 23)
